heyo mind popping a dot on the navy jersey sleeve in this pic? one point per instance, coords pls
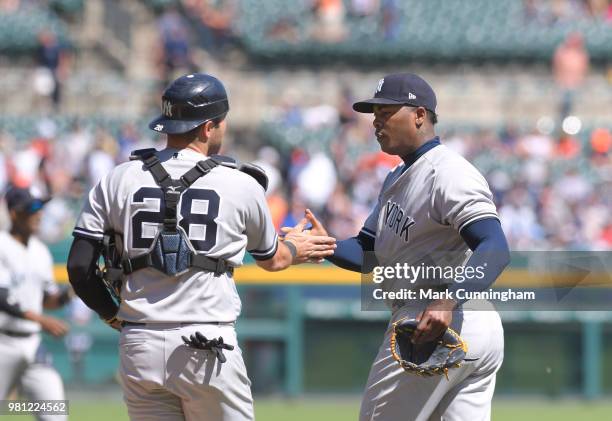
(490, 252)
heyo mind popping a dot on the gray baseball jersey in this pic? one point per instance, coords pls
(421, 210)
(27, 273)
(223, 213)
(417, 220)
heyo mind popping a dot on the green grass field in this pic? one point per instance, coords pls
(347, 410)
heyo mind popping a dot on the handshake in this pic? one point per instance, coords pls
(308, 245)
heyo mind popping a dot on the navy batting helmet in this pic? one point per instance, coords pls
(189, 102)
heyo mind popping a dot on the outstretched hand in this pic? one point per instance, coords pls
(313, 245)
(316, 228)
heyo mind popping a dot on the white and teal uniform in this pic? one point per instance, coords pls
(26, 271)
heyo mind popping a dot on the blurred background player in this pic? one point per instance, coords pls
(26, 287)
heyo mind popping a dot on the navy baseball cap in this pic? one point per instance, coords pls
(400, 89)
(22, 200)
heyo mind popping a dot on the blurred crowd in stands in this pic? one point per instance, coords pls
(213, 29)
(54, 62)
(329, 17)
(551, 12)
(552, 183)
(570, 66)
(553, 190)
(9, 6)
(64, 164)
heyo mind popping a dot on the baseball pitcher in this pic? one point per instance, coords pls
(437, 361)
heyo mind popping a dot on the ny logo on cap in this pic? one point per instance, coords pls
(380, 85)
(167, 108)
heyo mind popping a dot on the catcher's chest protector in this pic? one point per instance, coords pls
(171, 252)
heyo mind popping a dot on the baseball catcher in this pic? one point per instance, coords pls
(187, 216)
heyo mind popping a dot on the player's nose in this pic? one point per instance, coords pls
(377, 124)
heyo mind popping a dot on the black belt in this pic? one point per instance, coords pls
(218, 266)
(16, 334)
(128, 323)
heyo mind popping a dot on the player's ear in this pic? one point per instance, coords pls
(206, 129)
(420, 116)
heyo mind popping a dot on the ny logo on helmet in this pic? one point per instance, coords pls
(167, 108)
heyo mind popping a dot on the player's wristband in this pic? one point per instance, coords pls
(292, 248)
